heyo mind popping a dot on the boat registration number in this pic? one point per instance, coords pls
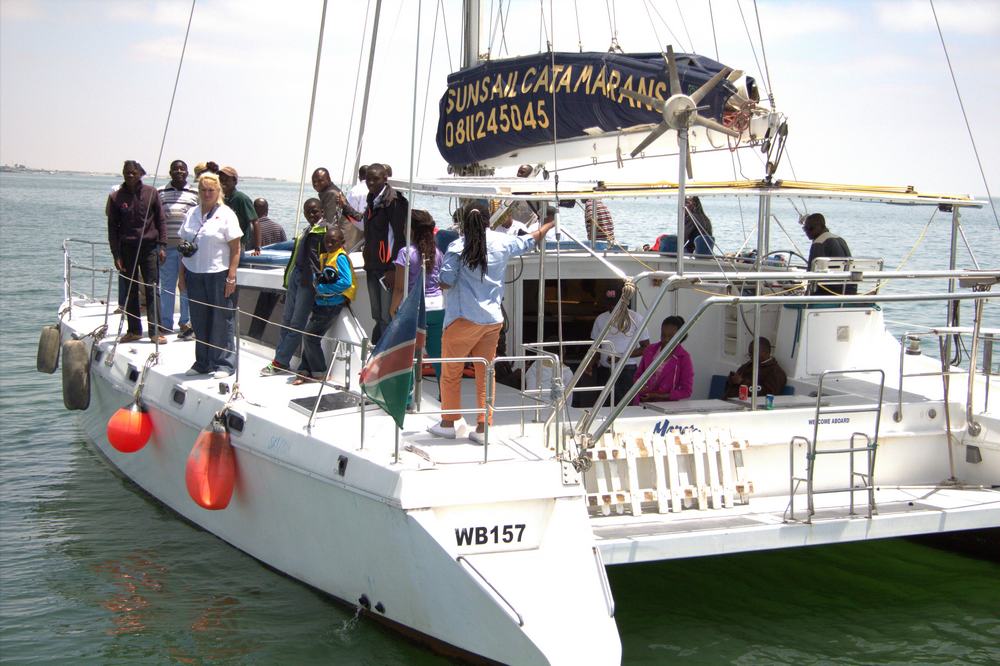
(481, 535)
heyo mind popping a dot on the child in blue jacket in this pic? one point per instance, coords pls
(335, 287)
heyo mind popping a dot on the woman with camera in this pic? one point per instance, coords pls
(210, 247)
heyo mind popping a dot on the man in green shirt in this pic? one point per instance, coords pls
(243, 207)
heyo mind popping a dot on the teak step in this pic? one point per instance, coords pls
(673, 472)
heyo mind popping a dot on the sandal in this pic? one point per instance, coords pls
(299, 381)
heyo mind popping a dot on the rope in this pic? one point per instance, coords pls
(354, 99)
(151, 360)
(763, 54)
(503, 30)
(684, 23)
(427, 86)
(715, 38)
(413, 144)
(447, 41)
(159, 158)
(312, 109)
(579, 36)
(656, 35)
(368, 84)
(667, 25)
(493, 28)
(620, 317)
(968, 127)
(753, 49)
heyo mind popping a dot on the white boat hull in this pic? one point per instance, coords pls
(402, 564)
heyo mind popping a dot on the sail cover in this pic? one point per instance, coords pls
(500, 106)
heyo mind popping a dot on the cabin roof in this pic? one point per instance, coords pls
(532, 189)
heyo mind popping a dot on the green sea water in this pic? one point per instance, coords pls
(93, 571)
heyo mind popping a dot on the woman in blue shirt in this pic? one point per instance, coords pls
(473, 272)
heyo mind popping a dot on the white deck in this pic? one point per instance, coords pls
(761, 525)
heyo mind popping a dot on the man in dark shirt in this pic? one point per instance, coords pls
(826, 244)
(770, 377)
(336, 208)
(384, 222)
(243, 207)
(270, 231)
(137, 234)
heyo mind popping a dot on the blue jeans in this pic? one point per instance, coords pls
(313, 358)
(299, 300)
(212, 317)
(168, 287)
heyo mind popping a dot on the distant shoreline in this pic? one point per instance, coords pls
(20, 168)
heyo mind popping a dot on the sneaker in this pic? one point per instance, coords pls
(440, 431)
(194, 372)
(477, 437)
(158, 339)
(222, 374)
(131, 337)
(272, 368)
(185, 332)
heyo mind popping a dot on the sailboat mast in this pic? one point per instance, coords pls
(470, 32)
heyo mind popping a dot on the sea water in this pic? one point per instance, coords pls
(92, 570)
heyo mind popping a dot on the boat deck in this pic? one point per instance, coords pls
(761, 525)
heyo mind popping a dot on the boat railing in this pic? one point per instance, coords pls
(489, 367)
(69, 263)
(980, 280)
(870, 448)
(605, 347)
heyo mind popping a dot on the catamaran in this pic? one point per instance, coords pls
(489, 551)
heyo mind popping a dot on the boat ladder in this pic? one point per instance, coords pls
(669, 472)
(859, 442)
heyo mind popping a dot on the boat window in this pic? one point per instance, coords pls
(582, 301)
(267, 307)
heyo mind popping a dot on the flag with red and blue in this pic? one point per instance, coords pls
(387, 378)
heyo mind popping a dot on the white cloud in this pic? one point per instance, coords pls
(956, 16)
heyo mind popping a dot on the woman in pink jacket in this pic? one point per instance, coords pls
(675, 378)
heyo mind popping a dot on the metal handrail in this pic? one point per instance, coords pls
(977, 335)
(326, 381)
(585, 422)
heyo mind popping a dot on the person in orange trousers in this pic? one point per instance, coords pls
(473, 272)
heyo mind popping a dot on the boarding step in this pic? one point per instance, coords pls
(858, 442)
(635, 473)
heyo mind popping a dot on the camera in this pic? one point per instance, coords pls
(187, 248)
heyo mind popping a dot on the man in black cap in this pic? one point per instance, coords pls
(243, 207)
(826, 244)
(137, 234)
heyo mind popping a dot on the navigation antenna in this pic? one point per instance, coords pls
(680, 113)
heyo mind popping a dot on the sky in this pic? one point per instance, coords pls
(86, 84)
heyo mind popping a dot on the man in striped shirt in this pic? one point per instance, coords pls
(177, 198)
(594, 211)
(270, 231)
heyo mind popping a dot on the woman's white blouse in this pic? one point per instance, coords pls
(211, 233)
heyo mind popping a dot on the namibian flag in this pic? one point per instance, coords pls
(388, 376)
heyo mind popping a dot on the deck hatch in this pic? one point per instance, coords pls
(329, 403)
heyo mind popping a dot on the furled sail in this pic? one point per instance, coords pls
(501, 106)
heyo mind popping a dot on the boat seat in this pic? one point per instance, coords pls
(717, 389)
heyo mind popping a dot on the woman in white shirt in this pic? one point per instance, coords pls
(210, 258)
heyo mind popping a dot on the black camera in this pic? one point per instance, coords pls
(187, 248)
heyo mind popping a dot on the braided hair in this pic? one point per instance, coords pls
(472, 222)
(422, 237)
